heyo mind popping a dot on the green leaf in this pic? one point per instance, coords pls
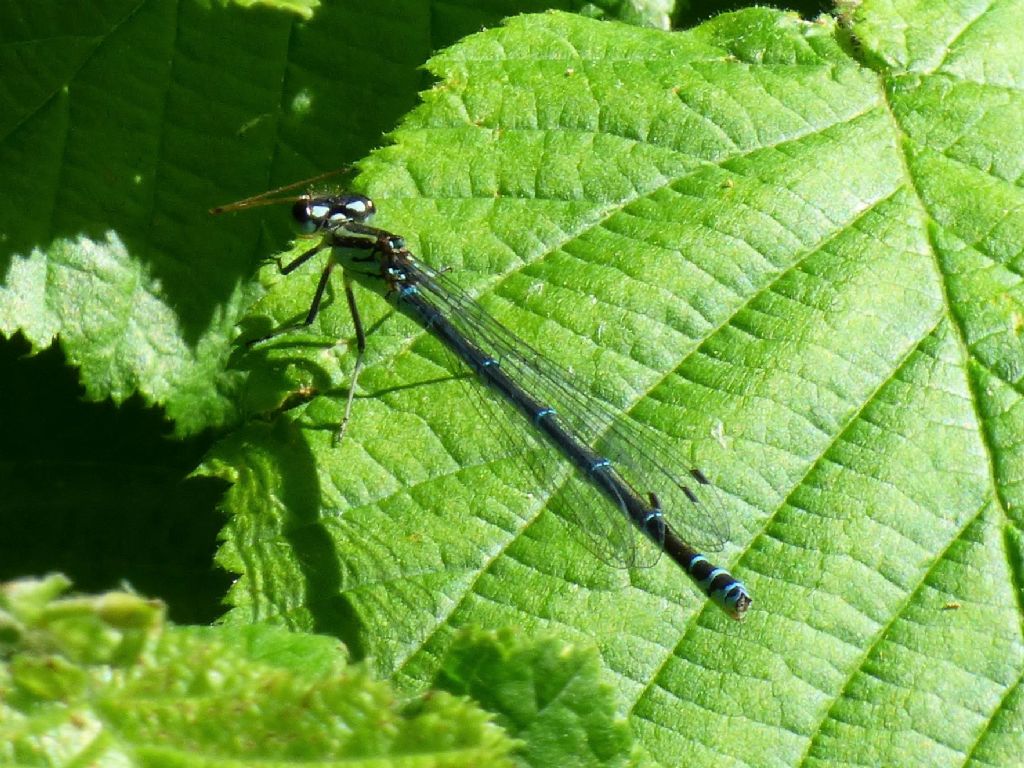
(302, 8)
(648, 13)
(793, 249)
(548, 693)
(102, 680)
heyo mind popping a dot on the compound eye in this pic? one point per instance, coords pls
(359, 208)
(301, 214)
(311, 215)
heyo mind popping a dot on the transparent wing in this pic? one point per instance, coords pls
(602, 519)
(641, 456)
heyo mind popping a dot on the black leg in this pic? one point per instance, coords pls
(301, 259)
(314, 308)
(360, 349)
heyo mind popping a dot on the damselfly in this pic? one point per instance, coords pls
(626, 464)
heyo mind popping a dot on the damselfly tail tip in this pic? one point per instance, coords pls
(737, 602)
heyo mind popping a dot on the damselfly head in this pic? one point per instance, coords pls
(315, 214)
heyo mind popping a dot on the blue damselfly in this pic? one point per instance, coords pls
(626, 464)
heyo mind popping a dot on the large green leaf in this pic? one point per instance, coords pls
(791, 248)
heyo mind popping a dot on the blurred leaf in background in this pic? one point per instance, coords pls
(103, 680)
